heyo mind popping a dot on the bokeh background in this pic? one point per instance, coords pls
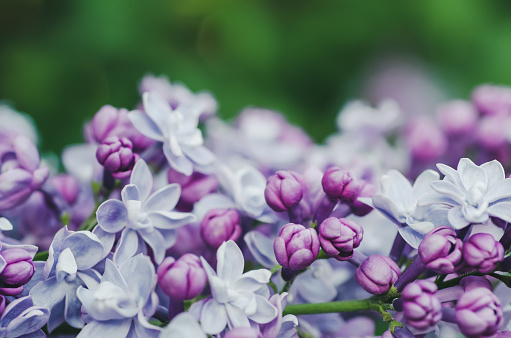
(60, 61)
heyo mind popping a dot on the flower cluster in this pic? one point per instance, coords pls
(169, 222)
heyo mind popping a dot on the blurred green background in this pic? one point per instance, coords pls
(60, 61)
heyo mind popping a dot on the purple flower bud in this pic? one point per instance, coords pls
(339, 236)
(183, 279)
(457, 117)
(68, 186)
(20, 174)
(220, 225)
(193, 187)
(339, 184)
(440, 250)
(116, 155)
(471, 282)
(283, 190)
(425, 140)
(491, 131)
(478, 313)
(420, 306)
(492, 100)
(17, 271)
(366, 190)
(377, 274)
(296, 247)
(483, 252)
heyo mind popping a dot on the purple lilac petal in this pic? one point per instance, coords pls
(112, 216)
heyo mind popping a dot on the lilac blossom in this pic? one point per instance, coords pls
(237, 297)
(183, 325)
(398, 201)
(21, 318)
(176, 129)
(120, 304)
(142, 217)
(70, 264)
(472, 193)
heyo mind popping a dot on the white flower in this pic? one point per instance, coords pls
(472, 193)
(177, 129)
(398, 201)
(236, 296)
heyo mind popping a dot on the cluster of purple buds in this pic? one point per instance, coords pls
(421, 307)
(116, 155)
(377, 274)
(483, 252)
(339, 236)
(478, 313)
(441, 251)
(17, 269)
(220, 225)
(296, 247)
(340, 185)
(182, 279)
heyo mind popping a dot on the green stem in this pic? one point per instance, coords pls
(275, 269)
(456, 281)
(335, 307)
(41, 256)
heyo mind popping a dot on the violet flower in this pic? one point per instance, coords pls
(72, 256)
(16, 270)
(236, 296)
(483, 252)
(283, 190)
(296, 247)
(176, 129)
(183, 279)
(339, 184)
(473, 193)
(20, 173)
(120, 304)
(478, 313)
(377, 274)
(116, 155)
(282, 325)
(219, 226)
(142, 217)
(421, 308)
(441, 250)
(339, 236)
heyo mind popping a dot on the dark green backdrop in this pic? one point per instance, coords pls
(62, 60)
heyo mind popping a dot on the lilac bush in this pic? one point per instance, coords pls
(169, 222)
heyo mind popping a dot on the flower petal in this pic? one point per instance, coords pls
(183, 325)
(199, 155)
(140, 276)
(141, 177)
(252, 280)
(107, 328)
(498, 191)
(171, 219)
(49, 292)
(157, 108)
(130, 193)
(387, 208)
(86, 247)
(213, 317)
(156, 242)
(422, 184)
(501, 210)
(112, 216)
(144, 124)
(126, 247)
(164, 199)
(448, 189)
(471, 173)
(261, 247)
(178, 163)
(266, 311)
(230, 262)
(456, 218)
(236, 317)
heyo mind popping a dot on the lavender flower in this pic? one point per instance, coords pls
(483, 252)
(478, 313)
(377, 274)
(296, 247)
(281, 325)
(21, 318)
(339, 236)
(72, 256)
(422, 309)
(119, 305)
(177, 129)
(116, 155)
(183, 325)
(143, 217)
(20, 173)
(473, 193)
(236, 296)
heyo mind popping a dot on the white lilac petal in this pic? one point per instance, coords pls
(164, 199)
(113, 275)
(451, 175)
(80, 161)
(450, 190)
(412, 237)
(107, 239)
(53, 252)
(236, 317)
(140, 277)
(169, 236)
(501, 210)
(152, 304)
(252, 280)
(199, 154)
(494, 171)
(145, 329)
(213, 317)
(230, 262)
(456, 218)
(156, 241)
(170, 219)
(66, 265)
(107, 328)
(183, 325)
(174, 146)
(141, 177)
(499, 191)
(85, 296)
(5, 224)
(266, 311)
(144, 124)
(475, 214)
(49, 292)
(388, 208)
(219, 289)
(27, 321)
(157, 108)
(190, 138)
(72, 310)
(210, 202)
(90, 278)
(422, 184)
(470, 173)
(209, 270)
(261, 247)
(110, 302)
(11, 311)
(56, 316)
(133, 208)
(399, 188)
(315, 289)
(421, 227)
(130, 192)
(436, 198)
(86, 248)
(127, 246)
(112, 216)
(179, 163)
